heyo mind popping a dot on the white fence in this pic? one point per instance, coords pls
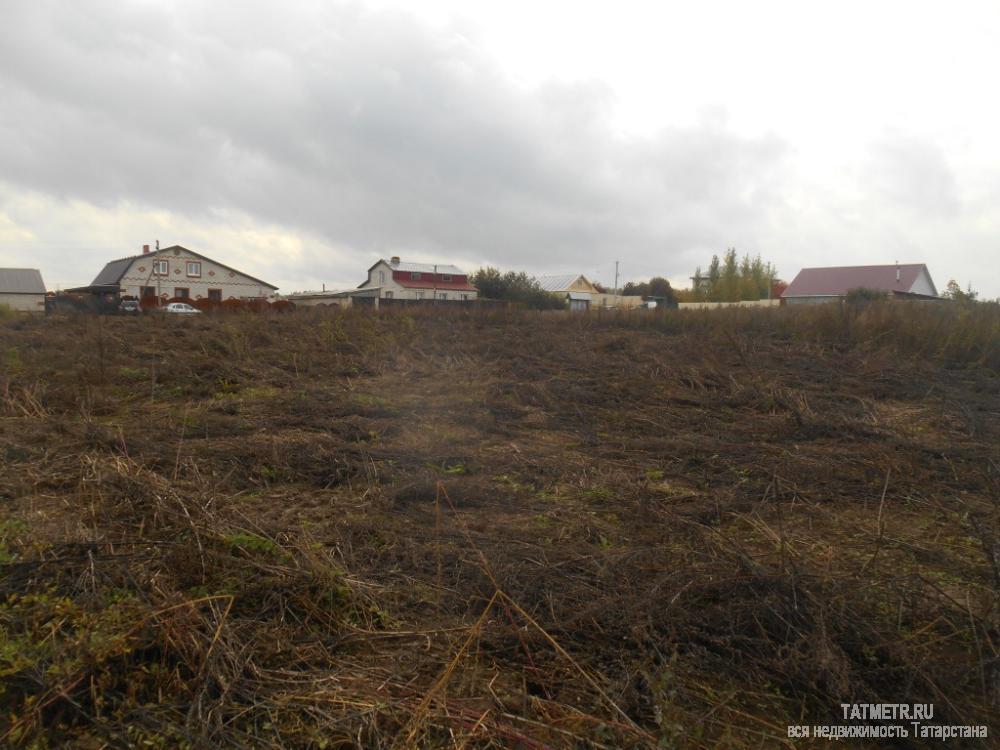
(718, 305)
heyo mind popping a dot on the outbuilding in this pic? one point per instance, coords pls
(22, 289)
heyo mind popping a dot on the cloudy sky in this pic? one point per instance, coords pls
(300, 141)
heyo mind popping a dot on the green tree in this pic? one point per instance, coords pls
(954, 292)
(660, 287)
(729, 279)
(514, 286)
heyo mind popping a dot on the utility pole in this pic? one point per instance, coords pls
(616, 283)
(434, 294)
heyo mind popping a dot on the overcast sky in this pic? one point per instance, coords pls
(301, 141)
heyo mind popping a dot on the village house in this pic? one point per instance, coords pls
(396, 279)
(576, 289)
(175, 272)
(816, 285)
(22, 289)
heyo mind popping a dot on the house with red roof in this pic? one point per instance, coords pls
(397, 279)
(815, 285)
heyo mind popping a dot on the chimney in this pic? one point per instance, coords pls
(394, 261)
(145, 249)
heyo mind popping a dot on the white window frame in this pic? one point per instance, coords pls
(381, 277)
(446, 277)
(161, 267)
(196, 264)
(419, 294)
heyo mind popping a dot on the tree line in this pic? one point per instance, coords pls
(735, 280)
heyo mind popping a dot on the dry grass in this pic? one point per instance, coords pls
(496, 529)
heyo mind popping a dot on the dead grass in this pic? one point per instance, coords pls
(495, 529)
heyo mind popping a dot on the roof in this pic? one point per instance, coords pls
(422, 267)
(21, 281)
(112, 272)
(559, 283)
(838, 281)
(462, 286)
(584, 296)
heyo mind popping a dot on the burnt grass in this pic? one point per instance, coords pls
(446, 528)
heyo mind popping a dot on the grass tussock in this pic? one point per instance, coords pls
(495, 529)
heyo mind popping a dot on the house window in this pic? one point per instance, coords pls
(182, 292)
(465, 297)
(415, 276)
(446, 277)
(147, 292)
(215, 295)
(388, 295)
(419, 294)
(442, 295)
(194, 268)
(381, 277)
(161, 267)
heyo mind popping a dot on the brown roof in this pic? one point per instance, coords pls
(838, 281)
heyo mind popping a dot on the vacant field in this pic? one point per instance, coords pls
(455, 530)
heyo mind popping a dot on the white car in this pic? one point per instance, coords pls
(180, 308)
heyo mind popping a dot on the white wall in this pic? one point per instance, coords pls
(23, 302)
(923, 284)
(213, 276)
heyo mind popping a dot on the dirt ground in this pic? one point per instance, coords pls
(459, 529)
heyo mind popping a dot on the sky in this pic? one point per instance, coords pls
(300, 141)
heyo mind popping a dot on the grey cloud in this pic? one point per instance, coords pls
(365, 128)
(914, 175)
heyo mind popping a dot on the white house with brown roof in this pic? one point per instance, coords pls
(397, 279)
(815, 285)
(175, 271)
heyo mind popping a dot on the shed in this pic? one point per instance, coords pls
(22, 289)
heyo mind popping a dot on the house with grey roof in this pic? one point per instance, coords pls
(175, 273)
(901, 281)
(575, 288)
(22, 289)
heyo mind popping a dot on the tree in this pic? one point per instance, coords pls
(514, 286)
(733, 280)
(635, 289)
(660, 287)
(954, 292)
(729, 279)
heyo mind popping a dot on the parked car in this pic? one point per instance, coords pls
(181, 308)
(130, 307)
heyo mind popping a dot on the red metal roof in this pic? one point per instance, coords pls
(444, 286)
(426, 281)
(839, 281)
